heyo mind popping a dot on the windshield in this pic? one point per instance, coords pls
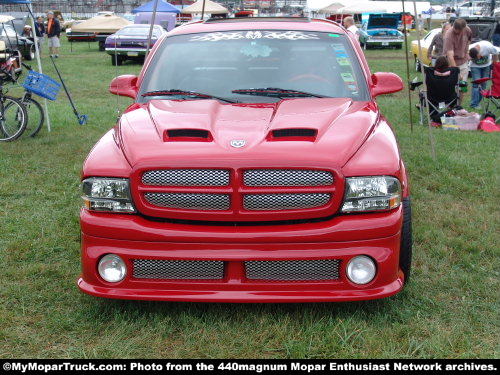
(139, 31)
(221, 63)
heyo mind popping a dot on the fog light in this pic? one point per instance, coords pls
(361, 269)
(112, 268)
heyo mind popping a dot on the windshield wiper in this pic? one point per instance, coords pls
(277, 92)
(186, 93)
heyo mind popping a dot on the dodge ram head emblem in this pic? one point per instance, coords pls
(238, 143)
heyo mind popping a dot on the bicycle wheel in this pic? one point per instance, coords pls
(36, 116)
(13, 118)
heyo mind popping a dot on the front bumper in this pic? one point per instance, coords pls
(384, 43)
(341, 238)
(131, 52)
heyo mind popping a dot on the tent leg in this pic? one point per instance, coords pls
(428, 115)
(39, 61)
(407, 68)
(150, 36)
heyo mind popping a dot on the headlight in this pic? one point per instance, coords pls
(112, 268)
(361, 269)
(107, 194)
(371, 194)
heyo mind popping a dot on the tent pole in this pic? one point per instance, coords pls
(153, 19)
(39, 61)
(419, 37)
(203, 10)
(407, 67)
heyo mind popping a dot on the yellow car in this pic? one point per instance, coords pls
(424, 43)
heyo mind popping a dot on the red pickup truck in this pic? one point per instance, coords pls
(253, 166)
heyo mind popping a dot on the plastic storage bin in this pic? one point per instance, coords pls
(42, 85)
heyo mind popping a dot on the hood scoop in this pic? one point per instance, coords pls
(187, 135)
(293, 134)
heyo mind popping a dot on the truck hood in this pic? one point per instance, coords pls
(206, 129)
(383, 21)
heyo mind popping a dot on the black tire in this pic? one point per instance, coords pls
(36, 116)
(12, 128)
(102, 47)
(399, 46)
(405, 252)
(31, 53)
(116, 60)
(418, 66)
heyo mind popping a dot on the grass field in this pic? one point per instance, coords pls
(449, 309)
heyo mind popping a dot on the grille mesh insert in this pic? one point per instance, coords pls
(190, 201)
(293, 270)
(287, 177)
(178, 269)
(187, 177)
(272, 202)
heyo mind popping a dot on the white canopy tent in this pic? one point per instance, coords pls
(364, 7)
(390, 6)
(205, 6)
(334, 7)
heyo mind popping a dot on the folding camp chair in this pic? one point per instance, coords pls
(442, 92)
(492, 95)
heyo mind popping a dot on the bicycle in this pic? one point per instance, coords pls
(13, 114)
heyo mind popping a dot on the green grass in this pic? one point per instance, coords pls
(450, 308)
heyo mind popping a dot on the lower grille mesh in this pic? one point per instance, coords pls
(273, 202)
(190, 201)
(293, 270)
(178, 269)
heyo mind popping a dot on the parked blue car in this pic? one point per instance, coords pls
(381, 31)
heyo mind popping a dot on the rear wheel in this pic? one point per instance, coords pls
(405, 251)
(36, 116)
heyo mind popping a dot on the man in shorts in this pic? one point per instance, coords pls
(456, 47)
(53, 34)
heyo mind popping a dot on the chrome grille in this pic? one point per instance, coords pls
(287, 177)
(178, 269)
(190, 201)
(257, 202)
(293, 270)
(187, 177)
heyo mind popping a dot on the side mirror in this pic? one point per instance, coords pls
(125, 85)
(386, 83)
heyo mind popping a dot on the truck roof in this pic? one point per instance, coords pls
(259, 23)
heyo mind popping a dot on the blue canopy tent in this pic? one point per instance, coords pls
(163, 6)
(37, 52)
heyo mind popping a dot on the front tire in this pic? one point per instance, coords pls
(405, 251)
(418, 66)
(116, 60)
(31, 53)
(13, 119)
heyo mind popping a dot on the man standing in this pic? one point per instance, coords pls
(40, 33)
(456, 47)
(349, 25)
(53, 33)
(482, 55)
